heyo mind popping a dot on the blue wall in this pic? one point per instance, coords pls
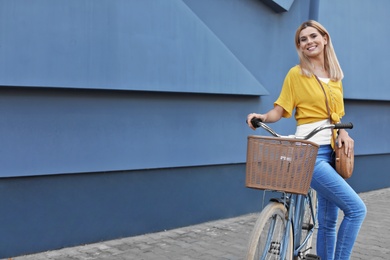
(46, 212)
(126, 117)
(56, 131)
(132, 45)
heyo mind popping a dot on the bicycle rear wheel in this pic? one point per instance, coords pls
(268, 234)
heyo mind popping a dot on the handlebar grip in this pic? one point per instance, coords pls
(343, 126)
(255, 122)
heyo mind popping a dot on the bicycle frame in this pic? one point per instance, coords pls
(299, 210)
(295, 210)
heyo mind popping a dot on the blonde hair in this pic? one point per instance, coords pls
(331, 62)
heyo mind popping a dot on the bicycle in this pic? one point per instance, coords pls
(285, 227)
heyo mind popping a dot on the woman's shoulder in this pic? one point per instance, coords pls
(295, 72)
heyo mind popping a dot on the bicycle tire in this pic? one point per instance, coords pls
(258, 245)
(307, 220)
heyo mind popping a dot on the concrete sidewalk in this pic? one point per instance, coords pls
(223, 239)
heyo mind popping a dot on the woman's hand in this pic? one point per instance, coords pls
(344, 139)
(254, 115)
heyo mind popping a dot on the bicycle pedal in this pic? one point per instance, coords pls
(306, 226)
(311, 257)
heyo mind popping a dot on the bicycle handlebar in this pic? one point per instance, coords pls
(256, 122)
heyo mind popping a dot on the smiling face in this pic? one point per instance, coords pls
(311, 42)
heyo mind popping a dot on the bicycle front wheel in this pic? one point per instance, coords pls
(267, 237)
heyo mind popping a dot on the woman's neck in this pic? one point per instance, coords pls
(318, 68)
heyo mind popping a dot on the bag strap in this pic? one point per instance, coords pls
(327, 108)
(326, 98)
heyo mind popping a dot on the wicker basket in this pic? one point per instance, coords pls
(280, 164)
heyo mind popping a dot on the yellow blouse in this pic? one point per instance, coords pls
(306, 96)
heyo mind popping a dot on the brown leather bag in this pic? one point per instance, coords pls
(343, 163)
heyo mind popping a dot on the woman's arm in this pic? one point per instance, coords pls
(271, 116)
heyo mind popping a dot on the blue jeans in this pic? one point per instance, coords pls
(334, 193)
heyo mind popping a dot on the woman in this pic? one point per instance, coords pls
(301, 91)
